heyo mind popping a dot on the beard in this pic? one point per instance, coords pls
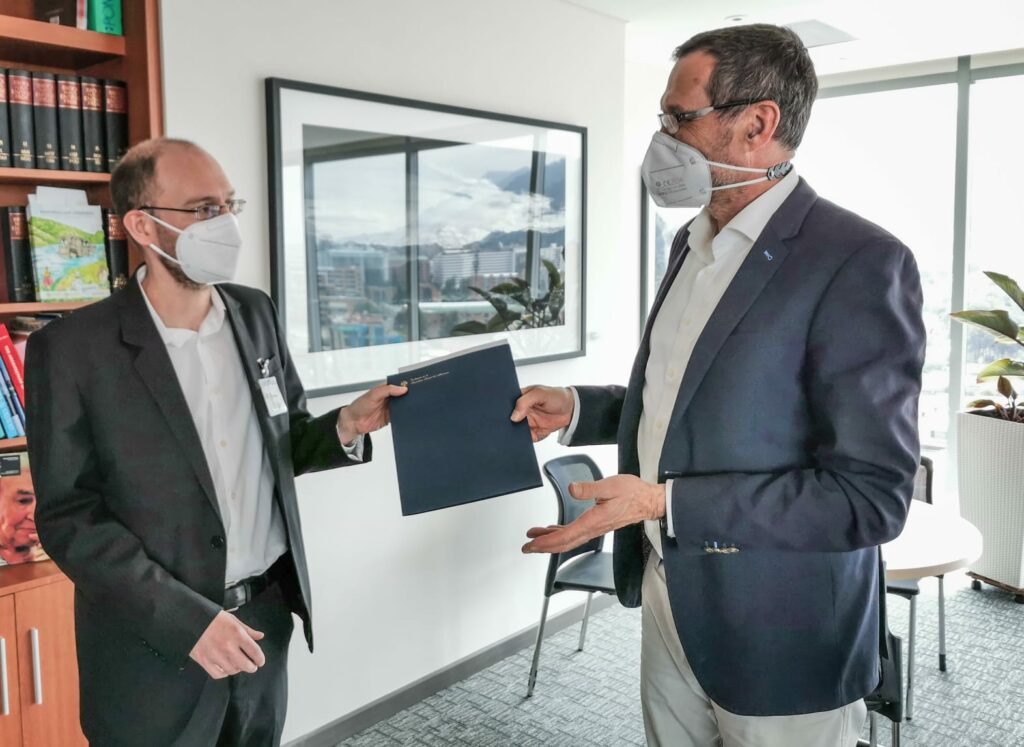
(167, 238)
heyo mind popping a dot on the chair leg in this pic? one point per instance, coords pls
(872, 730)
(910, 659)
(942, 625)
(895, 734)
(586, 615)
(536, 648)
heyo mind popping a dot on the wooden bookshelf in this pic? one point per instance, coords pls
(8, 445)
(25, 41)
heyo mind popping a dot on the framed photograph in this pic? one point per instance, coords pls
(403, 230)
(658, 228)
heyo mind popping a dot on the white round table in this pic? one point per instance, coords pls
(934, 541)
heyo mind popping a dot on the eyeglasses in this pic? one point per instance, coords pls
(671, 120)
(203, 212)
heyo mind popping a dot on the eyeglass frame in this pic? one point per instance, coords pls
(672, 120)
(233, 206)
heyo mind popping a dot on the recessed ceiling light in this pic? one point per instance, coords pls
(736, 18)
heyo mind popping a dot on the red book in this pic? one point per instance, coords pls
(13, 362)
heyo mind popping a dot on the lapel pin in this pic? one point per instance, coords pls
(768, 255)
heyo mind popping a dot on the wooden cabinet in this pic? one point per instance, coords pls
(37, 631)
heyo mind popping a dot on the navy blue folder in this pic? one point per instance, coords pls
(454, 442)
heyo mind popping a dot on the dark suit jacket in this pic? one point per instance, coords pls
(126, 504)
(793, 438)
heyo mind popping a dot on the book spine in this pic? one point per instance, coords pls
(44, 108)
(7, 420)
(13, 362)
(17, 414)
(115, 120)
(69, 117)
(5, 122)
(93, 137)
(19, 97)
(17, 255)
(82, 14)
(117, 250)
(105, 16)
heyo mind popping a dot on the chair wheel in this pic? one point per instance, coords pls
(976, 585)
(1018, 598)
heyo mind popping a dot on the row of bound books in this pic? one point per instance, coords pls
(12, 387)
(60, 259)
(95, 15)
(62, 122)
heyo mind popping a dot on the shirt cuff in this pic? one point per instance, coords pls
(354, 450)
(670, 529)
(566, 434)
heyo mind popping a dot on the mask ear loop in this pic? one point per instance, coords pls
(773, 173)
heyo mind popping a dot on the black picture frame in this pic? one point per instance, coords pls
(556, 341)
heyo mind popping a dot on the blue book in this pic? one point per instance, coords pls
(454, 442)
(7, 419)
(13, 403)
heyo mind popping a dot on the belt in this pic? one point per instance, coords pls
(247, 589)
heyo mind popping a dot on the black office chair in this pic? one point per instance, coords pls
(887, 698)
(587, 568)
(909, 590)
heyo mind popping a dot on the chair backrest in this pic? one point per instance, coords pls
(561, 472)
(923, 481)
(887, 698)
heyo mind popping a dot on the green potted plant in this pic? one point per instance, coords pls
(516, 308)
(990, 453)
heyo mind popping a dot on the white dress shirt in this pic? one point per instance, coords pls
(209, 370)
(707, 271)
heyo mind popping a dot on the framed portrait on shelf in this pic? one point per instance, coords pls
(658, 228)
(403, 230)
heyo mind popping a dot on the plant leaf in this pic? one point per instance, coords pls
(554, 276)
(1006, 388)
(469, 328)
(1009, 286)
(997, 323)
(982, 403)
(1001, 367)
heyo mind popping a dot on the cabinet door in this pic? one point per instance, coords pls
(48, 670)
(10, 706)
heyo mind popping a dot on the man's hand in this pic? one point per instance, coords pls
(368, 413)
(228, 646)
(620, 501)
(547, 409)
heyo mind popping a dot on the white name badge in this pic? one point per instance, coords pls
(272, 396)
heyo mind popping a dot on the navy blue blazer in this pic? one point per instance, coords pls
(794, 439)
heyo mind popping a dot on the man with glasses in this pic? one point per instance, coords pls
(166, 425)
(768, 436)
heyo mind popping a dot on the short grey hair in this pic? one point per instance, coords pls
(131, 184)
(760, 61)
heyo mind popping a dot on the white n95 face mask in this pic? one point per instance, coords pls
(207, 250)
(678, 175)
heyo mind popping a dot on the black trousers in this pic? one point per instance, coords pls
(248, 710)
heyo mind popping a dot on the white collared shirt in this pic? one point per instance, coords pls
(209, 370)
(707, 271)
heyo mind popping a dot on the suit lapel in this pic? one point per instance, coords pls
(762, 262)
(157, 373)
(248, 351)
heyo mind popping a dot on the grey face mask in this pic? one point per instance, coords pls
(678, 175)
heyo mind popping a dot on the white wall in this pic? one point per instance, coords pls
(396, 599)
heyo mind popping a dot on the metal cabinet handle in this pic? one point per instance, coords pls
(37, 670)
(5, 695)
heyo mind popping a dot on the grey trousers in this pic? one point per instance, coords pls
(678, 713)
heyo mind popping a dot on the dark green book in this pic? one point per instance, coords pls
(5, 122)
(44, 114)
(19, 104)
(93, 136)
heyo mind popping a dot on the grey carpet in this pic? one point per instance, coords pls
(592, 698)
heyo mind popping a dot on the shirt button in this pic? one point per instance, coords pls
(223, 444)
(671, 374)
(660, 425)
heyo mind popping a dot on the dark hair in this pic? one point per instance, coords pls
(131, 183)
(760, 61)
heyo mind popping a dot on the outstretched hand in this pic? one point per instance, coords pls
(368, 413)
(619, 501)
(547, 409)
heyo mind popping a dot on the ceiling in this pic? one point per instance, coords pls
(886, 32)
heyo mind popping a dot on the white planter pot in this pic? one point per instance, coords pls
(990, 462)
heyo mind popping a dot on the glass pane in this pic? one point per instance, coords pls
(489, 219)
(357, 256)
(661, 228)
(889, 157)
(993, 208)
